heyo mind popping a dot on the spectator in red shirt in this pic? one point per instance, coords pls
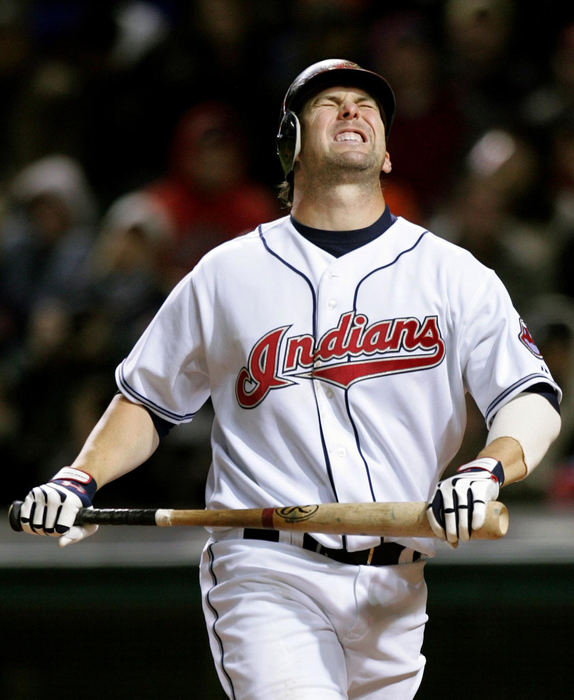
(208, 196)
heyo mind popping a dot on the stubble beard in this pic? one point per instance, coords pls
(349, 168)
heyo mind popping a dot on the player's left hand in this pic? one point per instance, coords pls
(458, 506)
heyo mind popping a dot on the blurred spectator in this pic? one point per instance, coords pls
(15, 59)
(223, 28)
(553, 99)
(123, 279)
(491, 62)
(207, 195)
(509, 163)
(560, 191)
(550, 319)
(429, 131)
(122, 293)
(402, 200)
(323, 28)
(560, 178)
(47, 234)
(481, 213)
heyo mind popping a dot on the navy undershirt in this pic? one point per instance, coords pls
(338, 243)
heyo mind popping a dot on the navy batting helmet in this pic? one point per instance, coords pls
(317, 77)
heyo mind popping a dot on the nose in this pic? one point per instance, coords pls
(349, 109)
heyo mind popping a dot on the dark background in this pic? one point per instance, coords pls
(494, 632)
(482, 151)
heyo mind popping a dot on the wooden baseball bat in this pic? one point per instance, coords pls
(406, 519)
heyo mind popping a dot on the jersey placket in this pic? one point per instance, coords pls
(347, 465)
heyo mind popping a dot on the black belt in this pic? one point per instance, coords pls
(387, 553)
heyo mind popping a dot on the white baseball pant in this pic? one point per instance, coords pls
(288, 624)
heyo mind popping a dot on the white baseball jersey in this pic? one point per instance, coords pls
(333, 379)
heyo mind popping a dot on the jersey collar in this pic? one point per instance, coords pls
(337, 243)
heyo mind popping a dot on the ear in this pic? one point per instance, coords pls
(387, 166)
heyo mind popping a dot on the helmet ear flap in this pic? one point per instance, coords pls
(288, 140)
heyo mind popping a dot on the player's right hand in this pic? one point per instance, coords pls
(50, 509)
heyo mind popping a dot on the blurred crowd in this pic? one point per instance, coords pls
(137, 135)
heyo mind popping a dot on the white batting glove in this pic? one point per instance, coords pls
(458, 505)
(50, 509)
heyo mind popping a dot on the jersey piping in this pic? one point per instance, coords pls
(156, 408)
(529, 379)
(314, 323)
(216, 615)
(347, 401)
(378, 269)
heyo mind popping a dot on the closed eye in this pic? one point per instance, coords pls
(327, 102)
(335, 101)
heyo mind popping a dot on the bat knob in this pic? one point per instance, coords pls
(14, 516)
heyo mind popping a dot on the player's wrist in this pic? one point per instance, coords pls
(78, 481)
(485, 464)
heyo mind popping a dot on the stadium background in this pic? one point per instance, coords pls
(134, 136)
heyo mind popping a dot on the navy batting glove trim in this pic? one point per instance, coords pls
(497, 472)
(85, 491)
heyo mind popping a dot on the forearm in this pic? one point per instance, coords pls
(508, 452)
(520, 435)
(123, 438)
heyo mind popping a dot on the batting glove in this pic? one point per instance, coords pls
(459, 503)
(51, 509)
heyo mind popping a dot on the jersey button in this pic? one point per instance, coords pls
(332, 303)
(329, 393)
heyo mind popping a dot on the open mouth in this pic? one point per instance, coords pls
(350, 137)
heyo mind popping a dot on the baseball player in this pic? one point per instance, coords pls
(337, 344)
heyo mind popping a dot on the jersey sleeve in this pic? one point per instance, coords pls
(499, 357)
(166, 369)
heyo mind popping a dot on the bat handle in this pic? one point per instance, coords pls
(14, 516)
(96, 516)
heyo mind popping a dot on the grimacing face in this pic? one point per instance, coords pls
(342, 128)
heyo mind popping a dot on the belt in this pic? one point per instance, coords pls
(387, 553)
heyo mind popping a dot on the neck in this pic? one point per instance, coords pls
(344, 207)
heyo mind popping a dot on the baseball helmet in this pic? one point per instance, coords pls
(317, 77)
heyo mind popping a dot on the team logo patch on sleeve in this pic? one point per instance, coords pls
(527, 340)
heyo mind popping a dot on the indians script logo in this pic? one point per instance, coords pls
(351, 352)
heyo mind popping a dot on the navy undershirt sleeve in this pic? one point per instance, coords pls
(547, 391)
(162, 426)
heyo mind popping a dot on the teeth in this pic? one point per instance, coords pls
(348, 136)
